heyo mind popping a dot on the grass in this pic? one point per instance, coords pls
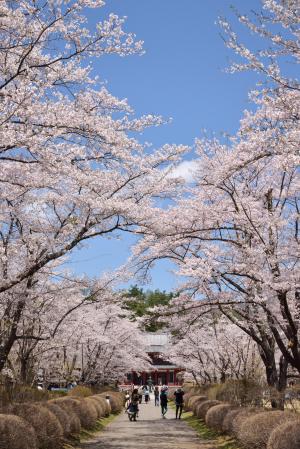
(220, 441)
(204, 432)
(100, 425)
(89, 434)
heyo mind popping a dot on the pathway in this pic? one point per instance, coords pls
(149, 432)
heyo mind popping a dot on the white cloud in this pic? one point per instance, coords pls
(185, 170)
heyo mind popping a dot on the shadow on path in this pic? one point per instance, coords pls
(149, 432)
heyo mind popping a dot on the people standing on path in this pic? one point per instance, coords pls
(127, 399)
(146, 393)
(133, 407)
(156, 395)
(164, 401)
(140, 393)
(179, 402)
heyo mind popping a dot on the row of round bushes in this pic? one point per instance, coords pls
(47, 425)
(252, 427)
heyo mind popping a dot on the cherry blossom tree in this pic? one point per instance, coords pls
(95, 344)
(278, 26)
(116, 346)
(234, 234)
(214, 350)
(45, 306)
(71, 168)
(34, 312)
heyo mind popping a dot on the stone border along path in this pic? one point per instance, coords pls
(149, 432)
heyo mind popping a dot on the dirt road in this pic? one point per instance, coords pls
(149, 432)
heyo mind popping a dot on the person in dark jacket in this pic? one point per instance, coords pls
(179, 402)
(156, 395)
(164, 401)
(133, 407)
(147, 395)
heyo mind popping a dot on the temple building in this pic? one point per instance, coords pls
(163, 372)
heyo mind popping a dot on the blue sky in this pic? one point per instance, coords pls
(181, 75)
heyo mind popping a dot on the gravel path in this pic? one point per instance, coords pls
(149, 432)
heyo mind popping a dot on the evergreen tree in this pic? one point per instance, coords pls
(139, 302)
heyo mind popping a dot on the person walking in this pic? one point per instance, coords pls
(127, 399)
(164, 401)
(178, 402)
(156, 395)
(133, 406)
(140, 393)
(146, 393)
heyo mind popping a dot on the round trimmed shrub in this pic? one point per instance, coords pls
(241, 417)
(256, 430)
(115, 400)
(189, 393)
(229, 419)
(85, 411)
(194, 399)
(187, 396)
(98, 406)
(92, 411)
(120, 397)
(16, 433)
(106, 406)
(80, 391)
(203, 408)
(62, 416)
(215, 416)
(285, 436)
(196, 403)
(47, 428)
(75, 425)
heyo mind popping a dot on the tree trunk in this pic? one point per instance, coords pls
(223, 377)
(23, 370)
(282, 381)
(5, 347)
(277, 380)
(268, 358)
